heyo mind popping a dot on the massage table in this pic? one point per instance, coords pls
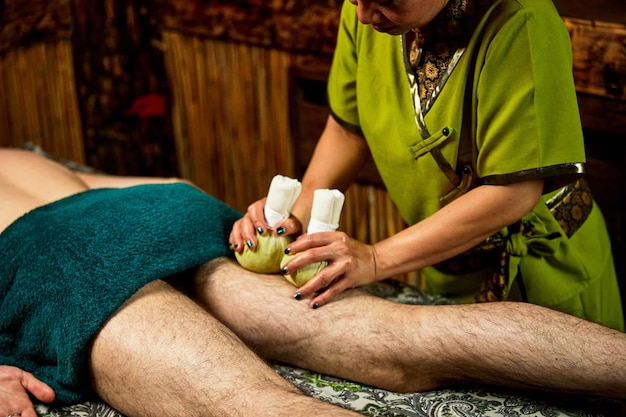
(467, 401)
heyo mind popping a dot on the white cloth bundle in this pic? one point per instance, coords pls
(325, 213)
(326, 210)
(266, 258)
(281, 197)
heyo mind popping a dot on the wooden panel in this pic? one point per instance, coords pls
(230, 115)
(38, 99)
(303, 26)
(599, 55)
(600, 10)
(309, 111)
(122, 88)
(26, 22)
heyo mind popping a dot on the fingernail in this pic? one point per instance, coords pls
(249, 243)
(260, 230)
(298, 296)
(316, 306)
(283, 270)
(230, 245)
(280, 230)
(236, 246)
(287, 251)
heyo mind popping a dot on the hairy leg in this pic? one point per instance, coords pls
(337, 339)
(416, 348)
(163, 355)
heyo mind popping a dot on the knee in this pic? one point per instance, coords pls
(414, 379)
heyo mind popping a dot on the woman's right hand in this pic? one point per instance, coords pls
(15, 385)
(244, 230)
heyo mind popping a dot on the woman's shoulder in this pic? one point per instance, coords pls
(538, 18)
(525, 6)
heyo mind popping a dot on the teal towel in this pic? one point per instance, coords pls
(68, 266)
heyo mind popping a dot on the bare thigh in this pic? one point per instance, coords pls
(164, 355)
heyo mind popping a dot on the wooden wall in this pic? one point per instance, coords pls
(86, 80)
(229, 109)
(594, 10)
(37, 80)
(38, 99)
(122, 87)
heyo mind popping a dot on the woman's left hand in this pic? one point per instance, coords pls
(350, 264)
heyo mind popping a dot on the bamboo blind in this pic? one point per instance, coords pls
(38, 99)
(230, 125)
(230, 110)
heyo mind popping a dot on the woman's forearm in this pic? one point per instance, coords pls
(339, 156)
(456, 228)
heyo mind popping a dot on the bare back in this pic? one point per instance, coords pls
(28, 180)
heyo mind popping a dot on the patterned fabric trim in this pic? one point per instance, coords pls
(435, 49)
(430, 55)
(570, 207)
(562, 172)
(486, 254)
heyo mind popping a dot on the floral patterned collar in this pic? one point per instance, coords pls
(434, 48)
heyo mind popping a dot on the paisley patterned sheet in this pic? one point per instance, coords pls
(474, 401)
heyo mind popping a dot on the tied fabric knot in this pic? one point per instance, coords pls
(520, 245)
(525, 241)
(528, 241)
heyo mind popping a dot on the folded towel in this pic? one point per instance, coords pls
(68, 266)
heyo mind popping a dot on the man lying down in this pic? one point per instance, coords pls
(121, 289)
(87, 306)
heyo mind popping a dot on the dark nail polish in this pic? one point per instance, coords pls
(236, 246)
(298, 296)
(283, 270)
(287, 251)
(280, 230)
(230, 245)
(260, 230)
(316, 306)
(249, 243)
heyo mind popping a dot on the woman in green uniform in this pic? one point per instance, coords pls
(468, 108)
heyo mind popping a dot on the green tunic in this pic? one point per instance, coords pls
(508, 92)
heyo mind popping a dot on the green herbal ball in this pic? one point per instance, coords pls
(265, 259)
(302, 275)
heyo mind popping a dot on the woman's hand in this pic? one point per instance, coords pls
(245, 229)
(350, 264)
(15, 385)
